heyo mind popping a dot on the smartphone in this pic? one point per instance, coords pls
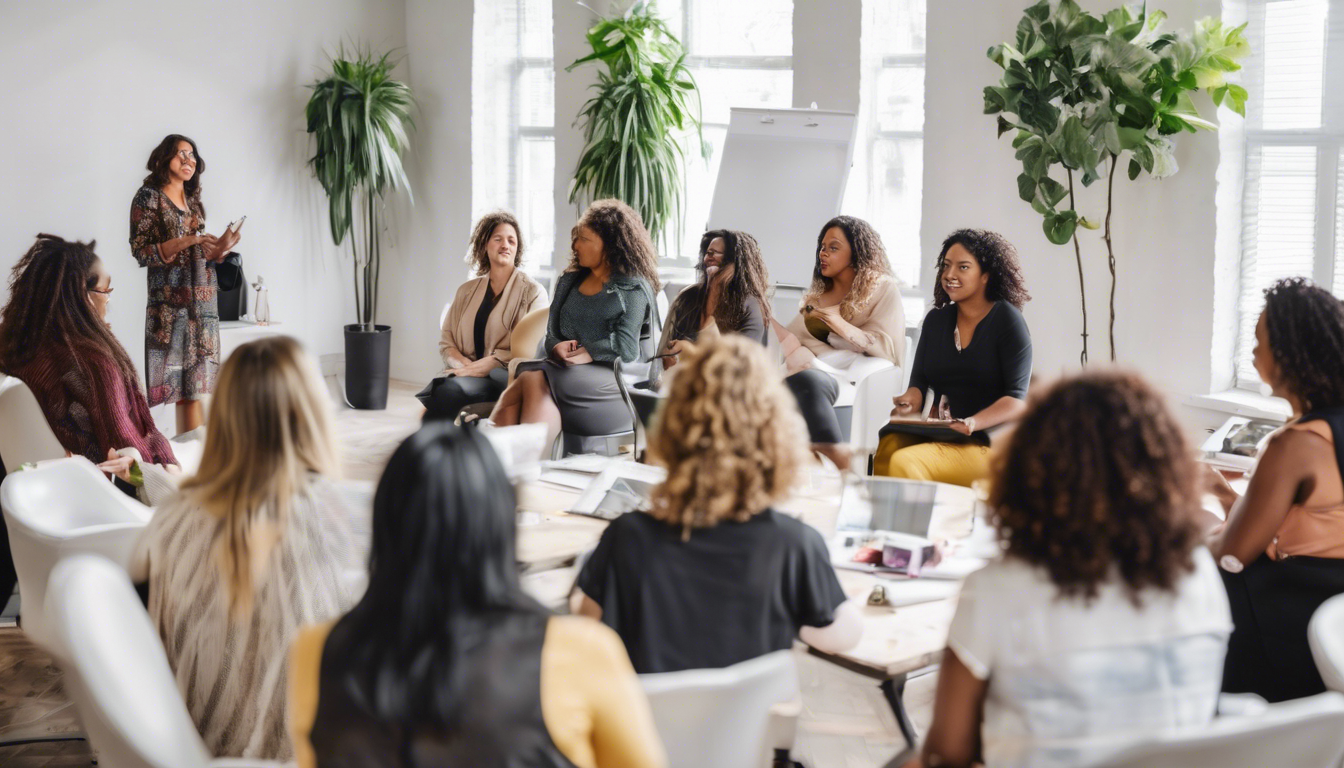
(237, 225)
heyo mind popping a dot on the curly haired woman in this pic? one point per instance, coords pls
(1282, 547)
(974, 353)
(1105, 621)
(712, 575)
(730, 296)
(478, 328)
(601, 303)
(852, 311)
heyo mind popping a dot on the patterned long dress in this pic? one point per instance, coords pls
(182, 319)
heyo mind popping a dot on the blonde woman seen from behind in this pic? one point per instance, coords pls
(713, 575)
(252, 547)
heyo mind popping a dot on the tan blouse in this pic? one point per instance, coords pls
(881, 318)
(521, 295)
(1316, 528)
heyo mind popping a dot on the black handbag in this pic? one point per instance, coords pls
(232, 287)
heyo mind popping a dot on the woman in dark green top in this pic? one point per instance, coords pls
(974, 355)
(601, 302)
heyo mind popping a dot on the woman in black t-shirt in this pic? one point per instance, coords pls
(712, 575)
(974, 354)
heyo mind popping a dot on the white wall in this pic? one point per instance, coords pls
(94, 86)
(1163, 230)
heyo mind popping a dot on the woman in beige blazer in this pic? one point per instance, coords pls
(853, 311)
(478, 328)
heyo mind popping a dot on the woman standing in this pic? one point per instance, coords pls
(182, 320)
(974, 353)
(852, 311)
(600, 305)
(478, 328)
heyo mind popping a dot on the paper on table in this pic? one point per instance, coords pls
(592, 496)
(589, 463)
(567, 478)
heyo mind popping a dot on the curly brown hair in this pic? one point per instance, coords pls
(162, 157)
(868, 256)
(49, 308)
(750, 282)
(1098, 479)
(480, 237)
(1306, 336)
(730, 436)
(996, 256)
(625, 240)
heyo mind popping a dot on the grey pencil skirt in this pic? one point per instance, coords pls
(589, 401)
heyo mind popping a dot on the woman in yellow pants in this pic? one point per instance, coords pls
(974, 353)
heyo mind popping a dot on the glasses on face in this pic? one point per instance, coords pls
(105, 291)
(186, 155)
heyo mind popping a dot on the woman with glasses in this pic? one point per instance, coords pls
(168, 238)
(729, 298)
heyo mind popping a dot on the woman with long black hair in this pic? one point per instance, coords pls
(446, 661)
(168, 238)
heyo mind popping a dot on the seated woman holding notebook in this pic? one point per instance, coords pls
(1105, 621)
(853, 311)
(477, 331)
(1282, 547)
(974, 353)
(713, 575)
(446, 661)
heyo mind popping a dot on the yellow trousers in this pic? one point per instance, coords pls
(919, 458)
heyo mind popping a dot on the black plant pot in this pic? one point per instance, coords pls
(366, 363)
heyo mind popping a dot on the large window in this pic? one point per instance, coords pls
(513, 119)
(886, 182)
(1293, 213)
(741, 54)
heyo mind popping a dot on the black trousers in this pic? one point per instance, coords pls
(815, 392)
(1272, 602)
(446, 395)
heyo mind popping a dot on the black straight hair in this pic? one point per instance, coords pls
(441, 571)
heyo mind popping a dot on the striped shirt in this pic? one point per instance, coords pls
(233, 673)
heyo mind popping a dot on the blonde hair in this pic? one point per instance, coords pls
(269, 427)
(729, 434)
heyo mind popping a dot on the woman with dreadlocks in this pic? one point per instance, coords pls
(729, 298)
(852, 311)
(1282, 546)
(55, 337)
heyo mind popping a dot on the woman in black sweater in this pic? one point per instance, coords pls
(974, 354)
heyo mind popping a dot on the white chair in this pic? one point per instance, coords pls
(25, 435)
(1304, 733)
(117, 674)
(443, 316)
(59, 509)
(1325, 633)
(720, 718)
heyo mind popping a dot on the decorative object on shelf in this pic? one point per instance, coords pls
(359, 116)
(645, 97)
(262, 313)
(1084, 91)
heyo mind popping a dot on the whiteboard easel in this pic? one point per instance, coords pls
(782, 177)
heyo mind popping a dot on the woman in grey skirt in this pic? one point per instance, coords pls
(599, 306)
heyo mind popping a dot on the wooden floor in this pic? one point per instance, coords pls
(846, 722)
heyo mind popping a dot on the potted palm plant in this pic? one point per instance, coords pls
(644, 98)
(359, 116)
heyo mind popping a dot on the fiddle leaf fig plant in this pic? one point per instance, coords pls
(1084, 93)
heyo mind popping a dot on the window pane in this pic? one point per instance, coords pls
(739, 28)
(1294, 64)
(900, 98)
(722, 89)
(512, 118)
(1279, 237)
(894, 27)
(1338, 288)
(895, 194)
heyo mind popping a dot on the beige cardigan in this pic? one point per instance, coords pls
(521, 295)
(881, 318)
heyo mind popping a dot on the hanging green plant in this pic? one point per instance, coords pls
(1087, 91)
(646, 100)
(358, 117)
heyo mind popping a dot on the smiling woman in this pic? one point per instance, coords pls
(168, 238)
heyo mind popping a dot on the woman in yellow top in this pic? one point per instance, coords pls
(853, 311)
(446, 661)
